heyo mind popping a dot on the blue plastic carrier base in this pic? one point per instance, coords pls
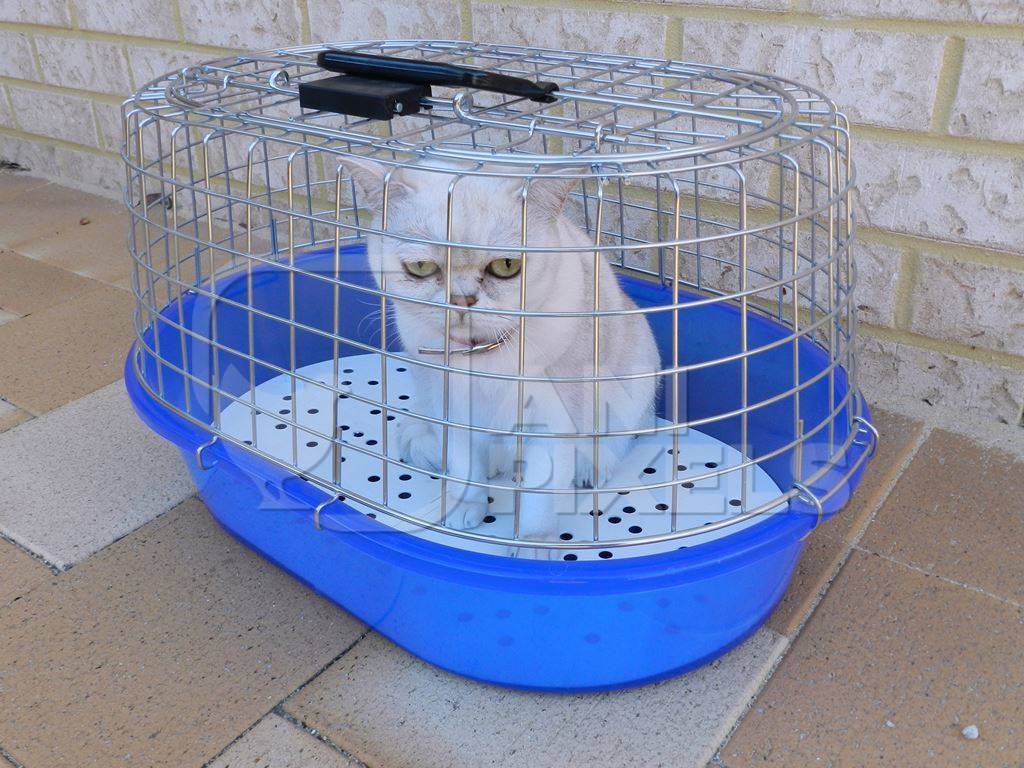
(563, 625)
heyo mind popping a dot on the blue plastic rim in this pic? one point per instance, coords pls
(553, 626)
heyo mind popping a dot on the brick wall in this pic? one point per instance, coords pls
(935, 89)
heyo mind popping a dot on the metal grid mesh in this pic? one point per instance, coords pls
(738, 184)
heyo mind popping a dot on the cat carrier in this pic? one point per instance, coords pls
(541, 363)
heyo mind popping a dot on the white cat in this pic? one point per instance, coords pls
(487, 211)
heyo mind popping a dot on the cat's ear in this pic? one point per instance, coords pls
(368, 176)
(549, 194)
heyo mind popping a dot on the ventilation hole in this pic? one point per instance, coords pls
(687, 485)
(711, 464)
(283, 411)
(346, 383)
(629, 510)
(372, 515)
(280, 426)
(391, 418)
(348, 370)
(661, 507)
(434, 477)
(343, 458)
(248, 442)
(599, 512)
(490, 499)
(357, 434)
(375, 412)
(489, 518)
(734, 502)
(565, 536)
(373, 382)
(405, 495)
(403, 397)
(312, 444)
(343, 397)
(604, 554)
(635, 529)
(341, 498)
(670, 451)
(570, 557)
(344, 428)
(681, 467)
(400, 369)
(313, 410)
(371, 442)
(405, 477)
(614, 519)
(374, 478)
(623, 493)
(649, 470)
(287, 397)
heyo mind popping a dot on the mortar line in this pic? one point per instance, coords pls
(903, 293)
(316, 734)
(949, 81)
(945, 346)
(950, 249)
(466, 19)
(9, 758)
(54, 569)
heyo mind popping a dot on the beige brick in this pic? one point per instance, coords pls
(990, 101)
(89, 65)
(51, 12)
(767, 5)
(245, 24)
(890, 369)
(636, 34)
(878, 268)
(394, 19)
(941, 194)
(142, 18)
(887, 79)
(102, 174)
(111, 128)
(6, 113)
(971, 303)
(147, 64)
(58, 115)
(17, 60)
(40, 159)
(989, 11)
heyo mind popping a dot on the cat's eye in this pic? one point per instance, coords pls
(505, 268)
(421, 268)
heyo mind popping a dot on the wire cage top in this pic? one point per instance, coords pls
(720, 199)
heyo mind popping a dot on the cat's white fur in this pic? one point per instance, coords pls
(487, 211)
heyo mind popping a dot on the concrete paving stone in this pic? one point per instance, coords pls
(11, 416)
(19, 573)
(158, 651)
(14, 184)
(387, 708)
(827, 546)
(958, 512)
(98, 249)
(82, 476)
(889, 669)
(62, 353)
(276, 743)
(29, 285)
(48, 209)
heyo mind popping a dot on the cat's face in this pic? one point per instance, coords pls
(485, 212)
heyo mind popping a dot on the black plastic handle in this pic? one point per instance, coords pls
(422, 72)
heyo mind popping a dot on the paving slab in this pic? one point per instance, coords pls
(37, 211)
(29, 285)
(98, 250)
(387, 708)
(158, 651)
(274, 742)
(80, 477)
(19, 573)
(958, 511)
(13, 184)
(891, 667)
(59, 354)
(828, 545)
(11, 416)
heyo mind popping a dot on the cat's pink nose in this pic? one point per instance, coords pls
(464, 301)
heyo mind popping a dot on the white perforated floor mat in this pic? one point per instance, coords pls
(636, 513)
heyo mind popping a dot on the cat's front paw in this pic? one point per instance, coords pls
(418, 445)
